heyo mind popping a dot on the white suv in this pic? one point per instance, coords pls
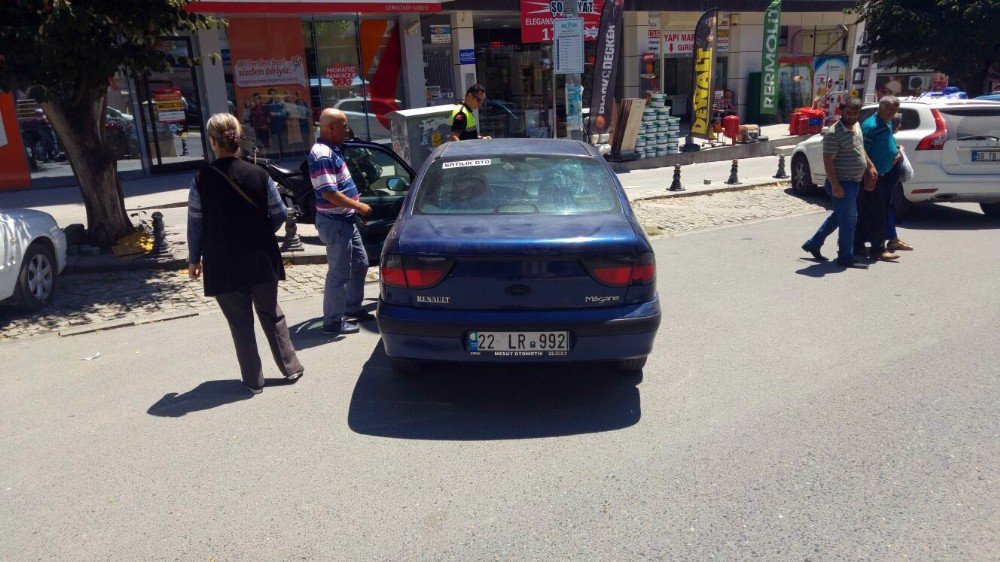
(953, 145)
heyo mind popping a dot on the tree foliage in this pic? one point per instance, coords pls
(65, 53)
(958, 37)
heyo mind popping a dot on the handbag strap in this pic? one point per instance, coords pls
(238, 189)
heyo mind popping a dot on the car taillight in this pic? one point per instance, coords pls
(622, 270)
(935, 140)
(415, 272)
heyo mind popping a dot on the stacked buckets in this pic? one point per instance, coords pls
(659, 133)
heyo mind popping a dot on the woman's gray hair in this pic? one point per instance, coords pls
(888, 101)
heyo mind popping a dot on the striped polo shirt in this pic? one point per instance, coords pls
(849, 147)
(328, 172)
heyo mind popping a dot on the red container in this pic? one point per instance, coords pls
(793, 123)
(731, 126)
(802, 124)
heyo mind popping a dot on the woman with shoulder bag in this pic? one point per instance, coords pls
(234, 209)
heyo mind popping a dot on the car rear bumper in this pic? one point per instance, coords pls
(604, 334)
(931, 184)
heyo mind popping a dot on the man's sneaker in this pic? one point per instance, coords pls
(345, 327)
(896, 245)
(815, 252)
(885, 255)
(295, 376)
(360, 315)
(253, 389)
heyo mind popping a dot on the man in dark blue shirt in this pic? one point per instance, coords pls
(875, 218)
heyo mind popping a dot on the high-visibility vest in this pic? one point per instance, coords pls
(470, 122)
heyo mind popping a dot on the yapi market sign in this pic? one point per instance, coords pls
(537, 16)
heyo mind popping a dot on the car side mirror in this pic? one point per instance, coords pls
(397, 183)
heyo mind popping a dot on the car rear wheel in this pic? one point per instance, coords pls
(631, 365)
(404, 367)
(990, 209)
(900, 204)
(37, 280)
(801, 176)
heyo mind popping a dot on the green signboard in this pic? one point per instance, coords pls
(769, 65)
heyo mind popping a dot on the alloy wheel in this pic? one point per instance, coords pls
(40, 276)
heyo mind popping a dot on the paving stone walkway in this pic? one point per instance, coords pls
(87, 301)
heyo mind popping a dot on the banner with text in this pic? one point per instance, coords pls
(769, 64)
(537, 17)
(704, 55)
(602, 98)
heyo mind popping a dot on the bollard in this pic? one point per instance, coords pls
(160, 248)
(733, 178)
(676, 185)
(781, 175)
(292, 242)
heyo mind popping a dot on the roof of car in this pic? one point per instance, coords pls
(503, 147)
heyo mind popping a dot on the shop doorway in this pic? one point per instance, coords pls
(170, 113)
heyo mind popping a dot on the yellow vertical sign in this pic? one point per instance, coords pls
(702, 100)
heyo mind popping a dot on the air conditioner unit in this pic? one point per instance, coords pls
(919, 83)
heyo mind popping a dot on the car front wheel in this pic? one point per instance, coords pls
(990, 209)
(801, 176)
(37, 280)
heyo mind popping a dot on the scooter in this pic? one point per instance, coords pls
(293, 185)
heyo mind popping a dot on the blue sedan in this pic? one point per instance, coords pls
(517, 250)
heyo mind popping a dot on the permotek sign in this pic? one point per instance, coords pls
(770, 65)
(250, 73)
(537, 16)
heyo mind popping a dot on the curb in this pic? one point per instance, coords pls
(105, 264)
(124, 323)
(710, 191)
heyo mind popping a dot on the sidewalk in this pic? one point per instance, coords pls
(168, 194)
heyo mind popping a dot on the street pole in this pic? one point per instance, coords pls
(574, 81)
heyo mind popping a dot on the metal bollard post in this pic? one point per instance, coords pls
(781, 175)
(292, 242)
(160, 248)
(733, 174)
(676, 185)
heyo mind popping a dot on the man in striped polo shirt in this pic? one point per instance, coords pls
(336, 203)
(846, 164)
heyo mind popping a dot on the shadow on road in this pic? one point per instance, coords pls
(205, 396)
(947, 217)
(310, 333)
(484, 402)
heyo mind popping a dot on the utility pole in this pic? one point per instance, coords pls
(573, 84)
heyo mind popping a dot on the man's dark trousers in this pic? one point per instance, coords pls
(889, 181)
(238, 307)
(872, 217)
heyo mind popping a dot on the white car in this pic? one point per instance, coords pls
(32, 254)
(953, 145)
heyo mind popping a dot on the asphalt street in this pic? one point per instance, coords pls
(791, 410)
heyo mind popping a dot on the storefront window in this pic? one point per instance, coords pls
(47, 161)
(439, 76)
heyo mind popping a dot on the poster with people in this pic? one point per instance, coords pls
(271, 84)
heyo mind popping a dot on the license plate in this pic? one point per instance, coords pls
(986, 155)
(518, 343)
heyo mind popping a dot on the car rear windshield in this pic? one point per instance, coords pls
(972, 123)
(517, 185)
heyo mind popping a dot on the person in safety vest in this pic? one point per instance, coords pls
(463, 120)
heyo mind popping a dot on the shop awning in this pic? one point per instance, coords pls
(313, 6)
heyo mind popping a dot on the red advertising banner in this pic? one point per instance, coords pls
(14, 173)
(537, 15)
(272, 87)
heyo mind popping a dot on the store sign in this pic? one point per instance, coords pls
(537, 17)
(654, 37)
(467, 56)
(568, 45)
(310, 7)
(722, 35)
(252, 73)
(769, 59)
(678, 42)
(441, 34)
(14, 171)
(169, 107)
(341, 75)
(704, 54)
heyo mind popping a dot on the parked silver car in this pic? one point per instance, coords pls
(32, 255)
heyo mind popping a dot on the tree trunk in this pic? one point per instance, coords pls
(79, 125)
